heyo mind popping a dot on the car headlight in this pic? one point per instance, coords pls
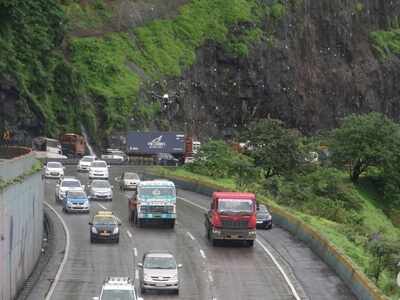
(269, 217)
(94, 230)
(147, 277)
(86, 203)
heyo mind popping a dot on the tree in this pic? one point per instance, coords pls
(273, 147)
(364, 141)
(217, 159)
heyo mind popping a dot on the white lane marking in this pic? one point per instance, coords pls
(289, 283)
(101, 205)
(137, 274)
(135, 251)
(190, 235)
(210, 277)
(203, 255)
(66, 252)
(129, 234)
(292, 288)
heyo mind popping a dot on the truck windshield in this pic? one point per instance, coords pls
(118, 294)
(235, 206)
(156, 191)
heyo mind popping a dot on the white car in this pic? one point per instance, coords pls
(54, 169)
(67, 184)
(114, 154)
(159, 271)
(85, 162)
(118, 288)
(98, 169)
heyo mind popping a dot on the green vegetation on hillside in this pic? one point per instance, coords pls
(31, 33)
(63, 78)
(386, 43)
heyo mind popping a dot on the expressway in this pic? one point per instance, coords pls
(278, 267)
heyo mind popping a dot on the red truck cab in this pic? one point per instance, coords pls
(232, 216)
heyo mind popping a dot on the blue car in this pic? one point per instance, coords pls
(76, 201)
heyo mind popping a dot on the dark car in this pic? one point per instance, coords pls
(264, 218)
(104, 226)
(166, 159)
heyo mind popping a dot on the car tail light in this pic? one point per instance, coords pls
(252, 221)
(216, 220)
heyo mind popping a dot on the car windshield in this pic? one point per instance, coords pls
(101, 184)
(262, 209)
(131, 176)
(88, 159)
(156, 191)
(100, 220)
(99, 164)
(54, 165)
(235, 205)
(157, 262)
(71, 183)
(118, 295)
(78, 194)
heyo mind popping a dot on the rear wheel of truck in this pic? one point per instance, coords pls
(250, 243)
(171, 224)
(214, 242)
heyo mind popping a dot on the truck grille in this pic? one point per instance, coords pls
(157, 209)
(234, 224)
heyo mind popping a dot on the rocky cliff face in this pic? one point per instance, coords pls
(314, 66)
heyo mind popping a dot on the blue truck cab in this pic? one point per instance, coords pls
(155, 202)
(76, 201)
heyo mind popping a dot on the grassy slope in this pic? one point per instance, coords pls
(375, 220)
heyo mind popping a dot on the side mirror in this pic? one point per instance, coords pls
(90, 223)
(140, 265)
(180, 266)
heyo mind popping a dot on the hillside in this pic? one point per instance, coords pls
(101, 62)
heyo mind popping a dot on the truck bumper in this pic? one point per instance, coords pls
(233, 234)
(157, 216)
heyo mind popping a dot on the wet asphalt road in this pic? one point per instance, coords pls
(227, 272)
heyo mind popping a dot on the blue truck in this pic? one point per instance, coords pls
(154, 202)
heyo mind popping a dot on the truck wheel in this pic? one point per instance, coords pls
(139, 223)
(143, 290)
(250, 243)
(214, 242)
(172, 224)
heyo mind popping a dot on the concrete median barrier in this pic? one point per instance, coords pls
(356, 280)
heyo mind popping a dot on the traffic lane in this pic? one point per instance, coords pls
(88, 264)
(193, 282)
(317, 279)
(237, 271)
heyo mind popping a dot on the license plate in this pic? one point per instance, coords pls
(160, 284)
(104, 233)
(259, 222)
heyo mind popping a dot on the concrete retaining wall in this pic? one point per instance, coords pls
(21, 225)
(358, 283)
(12, 168)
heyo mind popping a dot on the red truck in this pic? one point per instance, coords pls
(232, 216)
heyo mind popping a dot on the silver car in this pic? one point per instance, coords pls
(159, 271)
(100, 190)
(129, 180)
